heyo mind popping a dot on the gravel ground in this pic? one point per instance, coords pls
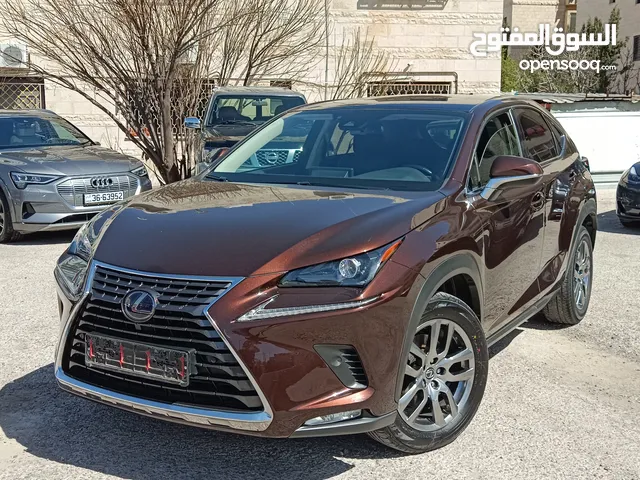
(560, 403)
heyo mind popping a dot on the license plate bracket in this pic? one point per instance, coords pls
(139, 359)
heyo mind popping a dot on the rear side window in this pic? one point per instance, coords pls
(538, 142)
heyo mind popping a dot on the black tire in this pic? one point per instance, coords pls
(562, 308)
(7, 233)
(402, 436)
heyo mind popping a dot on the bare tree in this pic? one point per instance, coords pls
(628, 78)
(358, 62)
(131, 58)
(274, 38)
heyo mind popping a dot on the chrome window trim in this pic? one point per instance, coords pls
(254, 421)
(508, 109)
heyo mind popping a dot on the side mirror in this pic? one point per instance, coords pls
(509, 169)
(192, 123)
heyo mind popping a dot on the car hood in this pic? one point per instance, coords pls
(228, 229)
(67, 160)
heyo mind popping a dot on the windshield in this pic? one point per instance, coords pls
(376, 148)
(249, 109)
(21, 131)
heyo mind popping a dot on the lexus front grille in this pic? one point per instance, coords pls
(74, 189)
(219, 382)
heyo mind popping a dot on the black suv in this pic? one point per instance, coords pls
(234, 112)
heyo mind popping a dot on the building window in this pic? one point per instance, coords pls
(570, 27)
(379, 89)
(17, 93)
(636, 48)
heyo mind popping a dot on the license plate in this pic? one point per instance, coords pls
(138, 359)
(109, 197)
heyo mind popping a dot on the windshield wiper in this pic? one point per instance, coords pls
(216, 178)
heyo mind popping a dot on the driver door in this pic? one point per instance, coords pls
(513, 224)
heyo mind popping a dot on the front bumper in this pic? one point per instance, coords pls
(42, 207)
(628, 201)
(291, 378)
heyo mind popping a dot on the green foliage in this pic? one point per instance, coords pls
(510, 74)
(568, 81)
(607, 54)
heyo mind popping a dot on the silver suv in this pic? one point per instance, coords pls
(53, 177)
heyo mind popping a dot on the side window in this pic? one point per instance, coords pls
(498, 138)
(538, 143)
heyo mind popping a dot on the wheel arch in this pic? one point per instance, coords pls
(588, 218)
(5, 191)
(460, 264)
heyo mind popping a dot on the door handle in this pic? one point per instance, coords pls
(537, 202)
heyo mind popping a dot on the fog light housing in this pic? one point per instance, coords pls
(334, 418)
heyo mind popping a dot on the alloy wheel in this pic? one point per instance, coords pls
(582, 275)
(438, 376)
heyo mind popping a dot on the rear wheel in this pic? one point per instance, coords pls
(7, 233)
(444, 379)
(570, 304)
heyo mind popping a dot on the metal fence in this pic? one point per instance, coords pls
(21, 93)
(375, 89)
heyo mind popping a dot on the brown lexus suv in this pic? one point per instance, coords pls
(354, 288)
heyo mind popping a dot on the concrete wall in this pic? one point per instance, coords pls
(608, 135)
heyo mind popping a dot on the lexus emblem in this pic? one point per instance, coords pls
(271, 157)
(139, 305)
(101, 182)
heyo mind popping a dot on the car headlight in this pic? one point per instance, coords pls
(71, 273)
(633, 174)
(21, 180)
(71, 270)
(210, 155)
(355, 271)
(140, 171)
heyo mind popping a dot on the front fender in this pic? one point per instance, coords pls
(460, 263)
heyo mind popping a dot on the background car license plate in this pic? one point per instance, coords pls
(109, 197)
(138, 359)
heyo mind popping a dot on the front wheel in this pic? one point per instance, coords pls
(7, 233)
(444, 379)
